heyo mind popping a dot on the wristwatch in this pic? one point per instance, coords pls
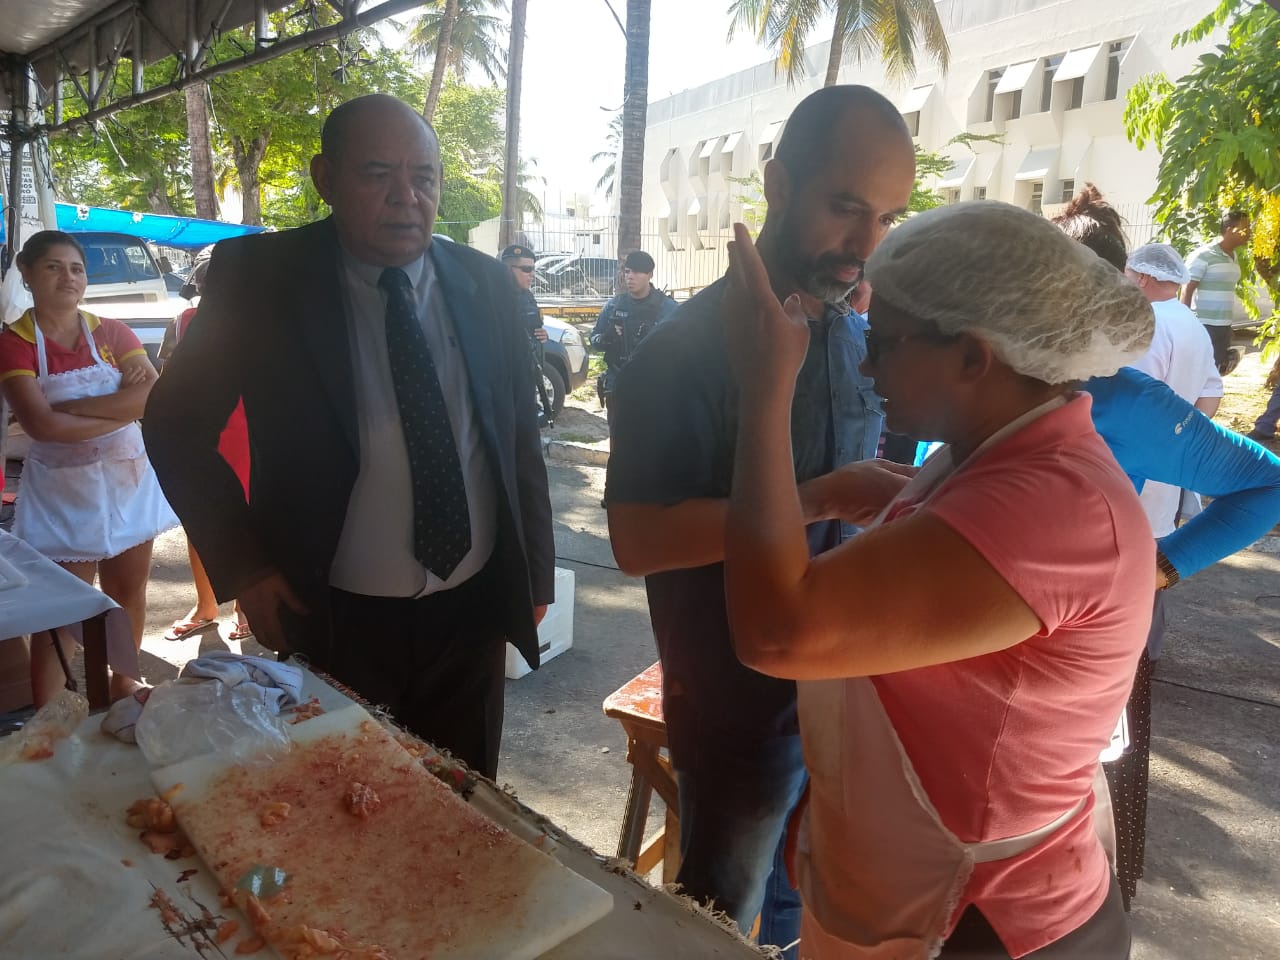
(1170, 572)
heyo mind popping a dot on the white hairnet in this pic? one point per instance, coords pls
(1161, 261)
(1049, 307)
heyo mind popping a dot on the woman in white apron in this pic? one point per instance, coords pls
(962, 663)
(88, 498)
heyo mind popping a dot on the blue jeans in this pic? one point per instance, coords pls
(733, 819)
(1266, 424)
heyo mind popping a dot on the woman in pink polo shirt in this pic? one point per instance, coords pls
(963, 661)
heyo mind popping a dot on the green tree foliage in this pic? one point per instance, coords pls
(469, 121)
(894, 30)
(1218, 132)
(1218, 127)
(137, 159)
(609, 157)
(266, 123)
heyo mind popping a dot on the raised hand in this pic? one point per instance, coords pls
(766, 340)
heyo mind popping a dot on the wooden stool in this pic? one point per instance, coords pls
(637, 705)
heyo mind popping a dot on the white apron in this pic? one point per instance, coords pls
(888, 874)
(92, 499)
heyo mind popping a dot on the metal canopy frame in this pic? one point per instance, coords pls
(81, 64)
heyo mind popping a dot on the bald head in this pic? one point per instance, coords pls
(379, 171)
(841, 177)
(341, 126)
(823, 119)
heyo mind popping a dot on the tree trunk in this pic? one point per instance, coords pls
(248, 157)
(201, 151)
(442, 58)
(836, 57)
(511, 219)
(158, 197)
(635, 107)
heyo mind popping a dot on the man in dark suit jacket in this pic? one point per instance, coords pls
(398, 528)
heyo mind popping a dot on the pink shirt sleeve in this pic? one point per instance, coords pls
(1059, 561)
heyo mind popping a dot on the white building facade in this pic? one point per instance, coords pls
(1049, 78)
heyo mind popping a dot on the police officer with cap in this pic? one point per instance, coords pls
(627, 319)
(521, 261)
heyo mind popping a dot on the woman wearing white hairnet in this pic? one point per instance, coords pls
(963, 661)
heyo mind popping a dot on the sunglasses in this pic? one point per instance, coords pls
(880, 344)
(522, 269)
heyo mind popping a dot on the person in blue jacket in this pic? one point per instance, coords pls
(1155, 435)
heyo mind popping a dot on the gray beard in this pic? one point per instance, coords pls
(832, 292)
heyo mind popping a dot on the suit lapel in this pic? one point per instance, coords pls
(471, 328)
(323, 322)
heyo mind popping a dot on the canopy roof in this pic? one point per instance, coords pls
(85, 41)
(186, 233)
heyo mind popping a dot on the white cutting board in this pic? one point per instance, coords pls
(424, 876)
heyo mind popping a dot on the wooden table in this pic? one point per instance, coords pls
(637, 705)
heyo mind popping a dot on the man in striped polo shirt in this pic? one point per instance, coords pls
(1214, 275)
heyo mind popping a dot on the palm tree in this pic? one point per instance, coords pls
(511, 201)
(202, 178)
(455, 35)
(609, 157)
(635, 105)
(892, 28)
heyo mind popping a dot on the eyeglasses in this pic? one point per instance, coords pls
(522, 269)
(880, 344)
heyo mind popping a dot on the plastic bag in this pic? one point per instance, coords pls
(15, 299)
(39, 736)
(187, 718)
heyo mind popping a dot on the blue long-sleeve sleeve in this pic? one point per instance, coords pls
(1156, 435)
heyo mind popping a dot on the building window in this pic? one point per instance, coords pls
(993, 81)
(1115, 53)
(951, 195)
(1068, 191)
(1077, 93)
(1051, 65)
(1015, 105)
(979, 193)
(913, 122)
(1037, 197)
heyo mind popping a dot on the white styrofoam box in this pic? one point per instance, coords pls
(555, 633)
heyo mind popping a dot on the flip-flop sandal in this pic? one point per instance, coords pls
(241, 631)
(184, 628)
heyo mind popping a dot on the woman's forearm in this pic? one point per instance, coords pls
(766, 550)
(125, 404)
(57, 427)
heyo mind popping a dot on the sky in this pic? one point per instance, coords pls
(574, 61)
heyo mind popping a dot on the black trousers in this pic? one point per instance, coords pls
(1104, 936)
(436, 662)
(1220, 337)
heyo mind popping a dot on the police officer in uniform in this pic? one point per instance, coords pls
(520, 259)
(626, 320)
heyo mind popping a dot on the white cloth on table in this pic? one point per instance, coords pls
(279, 684)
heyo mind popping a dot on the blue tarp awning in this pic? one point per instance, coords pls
(186, 233)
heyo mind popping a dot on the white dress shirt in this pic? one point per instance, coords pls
(375, 552)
